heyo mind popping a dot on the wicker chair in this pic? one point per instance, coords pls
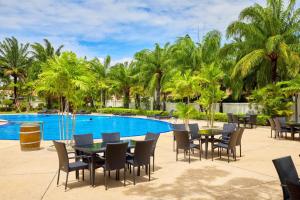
(111, 137)
(154, 137)
(273, 126)
(293, 189)
(183, 143)
(286, 170)
(65, 165)
(141, 157)
(177, 127)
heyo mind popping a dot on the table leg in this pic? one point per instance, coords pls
(293, 132)
(206, 146)
(93, 171)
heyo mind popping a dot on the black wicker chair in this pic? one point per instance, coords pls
(183, 143)
(177, 127)
(65, 165)
(286, 170)
(273, 126)
(111, 137)
(154, 137)
(115, 159)
(141, 157)
(293, 189)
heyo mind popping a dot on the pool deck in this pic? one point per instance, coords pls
(32, 175)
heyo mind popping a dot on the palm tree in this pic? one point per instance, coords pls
(267, 40)
(14, 60)
(154, 66)
(121, 77)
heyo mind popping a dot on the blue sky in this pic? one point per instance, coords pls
(95, 28)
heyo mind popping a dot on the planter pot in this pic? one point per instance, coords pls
(30, 136)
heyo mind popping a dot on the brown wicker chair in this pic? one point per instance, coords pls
(183, 143)
(154, 137)
(231, 146)
(177, 127)
(65, 165)
(141, 157)
(273, 127)
(115, 159)
(111, 137)
(239, 139)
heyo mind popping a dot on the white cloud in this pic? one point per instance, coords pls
(74, 22)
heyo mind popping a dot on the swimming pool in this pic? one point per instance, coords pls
(95, 124)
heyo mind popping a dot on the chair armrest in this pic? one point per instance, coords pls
(81, 156)
(130, 154)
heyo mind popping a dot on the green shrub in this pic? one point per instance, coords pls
(221, 117)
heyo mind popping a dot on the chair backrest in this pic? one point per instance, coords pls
(240, 135)
(230, 127)
(233, 139)
(286, 171)
(282, 121)
(229, 117)
(235, 119)
(194, 131)
(111, 137)
(142, 152)
(179, 127)
(293, 189)
(154, 137)
(182, 139)
(253, 119)
(272, 123)
(83, 139)
(62, 155)
(277, 124)
(115, 155)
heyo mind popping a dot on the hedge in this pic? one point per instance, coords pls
(222, 117)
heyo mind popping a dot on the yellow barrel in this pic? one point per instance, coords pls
(30, 136)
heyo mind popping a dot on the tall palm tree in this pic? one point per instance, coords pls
(267, 40)
(41, 53)
(14, 60)
(121, 77)
(154, 66)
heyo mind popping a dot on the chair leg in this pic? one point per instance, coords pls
(189, 156)
(66, 184)
(228, 155)
(105, 181)
(240, 150)
(133, 174)
(149, 171)
(212, 153)
(125, 175)
(176, 154)
(153, 163)
(58, 177)
(82, 174)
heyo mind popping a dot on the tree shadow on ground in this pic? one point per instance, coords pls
(201, 184)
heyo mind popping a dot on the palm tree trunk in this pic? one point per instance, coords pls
(126, 97)
(274, 70)
(164, 101)
(158, 87)
(15, 88)
(137, 101)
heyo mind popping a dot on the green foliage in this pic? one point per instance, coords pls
(185, 111)
(272, 101)
(118, 111)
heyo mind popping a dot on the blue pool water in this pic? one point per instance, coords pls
(84, 124)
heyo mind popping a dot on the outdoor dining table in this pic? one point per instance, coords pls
(209, 135)
(99, 147)
(243, 119)
(293, 126)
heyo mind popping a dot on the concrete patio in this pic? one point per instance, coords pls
(32, 175)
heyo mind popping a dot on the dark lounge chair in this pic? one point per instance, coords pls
(65, 165)
(169, 116)
(115, 159)
(183, 143)
(154, 137)
(155, 115)
(141, 157)
(230, 146)
(286, 170)
(111, 137)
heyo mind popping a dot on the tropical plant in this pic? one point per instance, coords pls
(14, 60)
(210, 91)
(272, 101)
(267, 40)
(185, 112)
(154, 66)
(121, 78)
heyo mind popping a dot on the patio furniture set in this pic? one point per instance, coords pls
(248, 119)
(192, 137)
(280, 126)
(112, 154)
